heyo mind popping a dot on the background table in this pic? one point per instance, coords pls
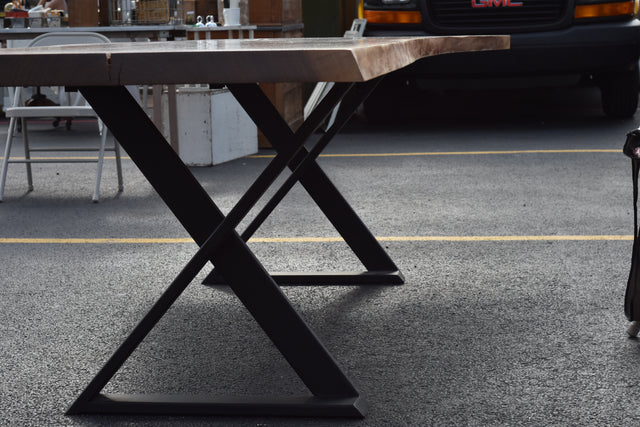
(131, 32)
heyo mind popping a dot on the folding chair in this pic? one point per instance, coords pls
(73, 106)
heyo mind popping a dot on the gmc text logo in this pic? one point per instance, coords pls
(495, 3)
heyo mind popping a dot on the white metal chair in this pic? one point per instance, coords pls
(74, 106)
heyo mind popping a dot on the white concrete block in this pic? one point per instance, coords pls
(212, 127)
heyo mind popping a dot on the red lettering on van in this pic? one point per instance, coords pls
(495, 3)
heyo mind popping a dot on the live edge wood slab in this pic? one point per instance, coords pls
(228, 61)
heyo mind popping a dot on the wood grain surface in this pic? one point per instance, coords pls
(228, 61)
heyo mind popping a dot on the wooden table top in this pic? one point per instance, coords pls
(228, 61)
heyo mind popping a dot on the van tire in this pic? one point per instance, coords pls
(619, 93)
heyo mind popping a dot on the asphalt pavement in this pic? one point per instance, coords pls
(509, 213)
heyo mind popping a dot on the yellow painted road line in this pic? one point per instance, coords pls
(501, 238)
(446, 238)
(69, 158)
(458, 153)
(324, 239)
(430, 153)
(95, 240)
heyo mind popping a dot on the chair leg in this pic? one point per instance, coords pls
(103, 142)
(27, 152)
(145, 97)
(116, 149)
(7, 153)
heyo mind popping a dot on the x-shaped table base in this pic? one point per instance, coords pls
(235, 264)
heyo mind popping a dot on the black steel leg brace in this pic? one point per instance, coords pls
(333, 394)
(381, 269)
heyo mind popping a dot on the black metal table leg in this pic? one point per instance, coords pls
(380, 268)
(332, 392)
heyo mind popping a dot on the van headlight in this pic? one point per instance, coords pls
(390, 11)
(594, 9)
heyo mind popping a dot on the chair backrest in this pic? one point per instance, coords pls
(55, 39)
(80, 37)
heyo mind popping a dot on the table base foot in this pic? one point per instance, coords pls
(154, 404)
(352, 278)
